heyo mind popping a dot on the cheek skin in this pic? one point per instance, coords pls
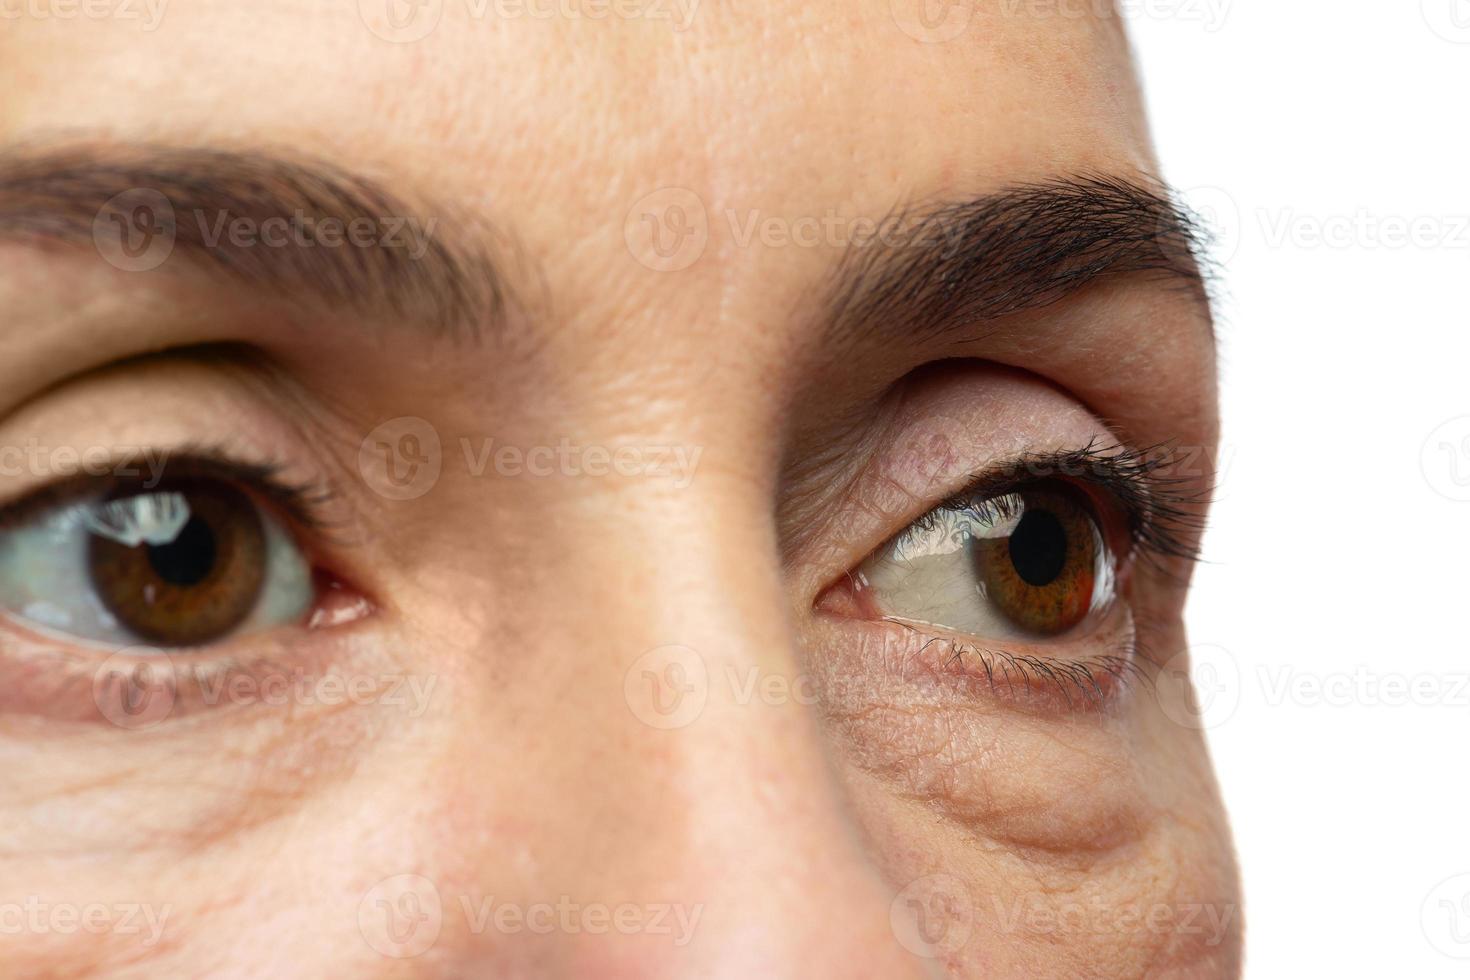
(1080, 868)
(1093, 839)
(1164, 906)
(197, 833)
(1028, 776)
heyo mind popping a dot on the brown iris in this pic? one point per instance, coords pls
(1041, 576)
(197, 585)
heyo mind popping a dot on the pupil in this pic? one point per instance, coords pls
(188, 559)
(1038, 547)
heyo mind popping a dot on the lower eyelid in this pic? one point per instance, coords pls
(1032, 678)
(58, 680)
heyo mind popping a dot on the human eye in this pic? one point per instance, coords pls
(209, 555)
(1026, 572)
(1029, 562)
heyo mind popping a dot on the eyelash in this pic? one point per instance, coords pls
(1062, 677)
(1164, 520)
(304, 504)
(1162, 512)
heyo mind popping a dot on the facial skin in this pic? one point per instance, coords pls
(648, 688)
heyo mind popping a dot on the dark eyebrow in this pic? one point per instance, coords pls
(404, 264)
(932, 271)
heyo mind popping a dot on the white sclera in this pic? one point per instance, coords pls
(45, 580)
(927, 575)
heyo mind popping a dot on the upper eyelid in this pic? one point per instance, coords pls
(1160, 518)
(1029, 468)
(303, 503)
(1162, 523)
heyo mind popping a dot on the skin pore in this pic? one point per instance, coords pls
(664, 397)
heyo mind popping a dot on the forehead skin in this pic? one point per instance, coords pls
(554, 129)
(551, 131)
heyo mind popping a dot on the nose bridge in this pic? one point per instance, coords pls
(712, 792)
(714, 704)
(743, 816)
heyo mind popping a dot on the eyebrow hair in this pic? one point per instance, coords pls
(938, 270)
(78, 195)
(931, 271)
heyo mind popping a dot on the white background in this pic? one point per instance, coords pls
(1316, 131)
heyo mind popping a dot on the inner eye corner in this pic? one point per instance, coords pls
(842, 596)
